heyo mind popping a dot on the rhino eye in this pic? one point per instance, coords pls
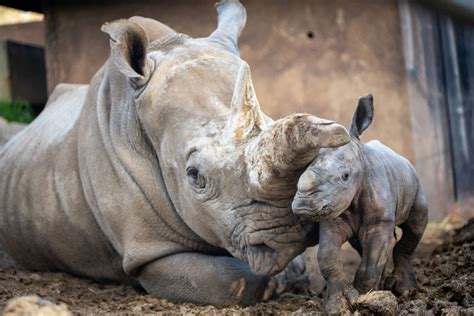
(193, 173)
(345, 176)
(195, 177)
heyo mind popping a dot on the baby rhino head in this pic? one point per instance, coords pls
(329, 185)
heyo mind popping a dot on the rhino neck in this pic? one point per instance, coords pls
(122, 179)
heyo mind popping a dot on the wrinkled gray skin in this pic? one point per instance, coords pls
(163, 172)
(358, 193)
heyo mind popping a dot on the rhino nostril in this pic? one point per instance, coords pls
(299, 205)
(325, 208)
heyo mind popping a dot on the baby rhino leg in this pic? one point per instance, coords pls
(332, 234)
(374, 239)
(403, 278)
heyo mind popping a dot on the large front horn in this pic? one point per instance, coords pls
(278, 155)
(231, 19)
(246, 119)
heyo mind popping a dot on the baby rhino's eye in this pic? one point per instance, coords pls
(345, 176)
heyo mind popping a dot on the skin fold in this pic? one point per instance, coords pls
(358, 193)
(163, 172)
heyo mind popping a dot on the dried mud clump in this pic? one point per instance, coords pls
(380, 302)
(34, 305)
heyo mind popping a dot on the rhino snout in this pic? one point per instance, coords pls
(305, 208)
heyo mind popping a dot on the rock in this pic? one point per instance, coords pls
(380, 302)
(34, 305)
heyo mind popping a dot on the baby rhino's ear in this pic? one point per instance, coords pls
(362, 116)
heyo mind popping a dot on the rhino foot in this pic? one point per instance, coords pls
(402, 282)
(337, 305)
(340, 302)
(293, 279)
(351, 294)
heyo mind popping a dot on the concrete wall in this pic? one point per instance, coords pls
(306, 56)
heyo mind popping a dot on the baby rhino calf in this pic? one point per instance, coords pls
(359, 192)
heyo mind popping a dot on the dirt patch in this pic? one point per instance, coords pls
(446, 280)
(85, 296)
(447, 277)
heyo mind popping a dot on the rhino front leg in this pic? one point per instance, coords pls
(333, 233)
(204, 279)
(375, 243)
(403, 278)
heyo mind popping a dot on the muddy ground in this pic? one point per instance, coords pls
(445, 276)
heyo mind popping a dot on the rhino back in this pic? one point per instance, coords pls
(44, 221)
(397, 178)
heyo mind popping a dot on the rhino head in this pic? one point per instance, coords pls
(228, 169)
(331, 182)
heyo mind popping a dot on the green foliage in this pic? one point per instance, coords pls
(18, 111)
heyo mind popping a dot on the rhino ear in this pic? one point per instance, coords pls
(154, 29)
(246, 118)
(363, 116)
(129, 44)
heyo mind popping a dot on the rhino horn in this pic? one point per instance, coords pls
(279, 154)
(246, 119)
(231, 19)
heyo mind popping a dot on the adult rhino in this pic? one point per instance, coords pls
(163, 171)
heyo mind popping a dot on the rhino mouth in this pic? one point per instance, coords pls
(310, 208)
(310, 211)
(268, 237)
